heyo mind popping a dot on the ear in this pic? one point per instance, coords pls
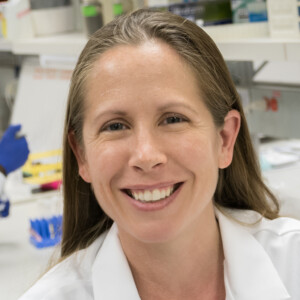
(79, 154)
(228, 135)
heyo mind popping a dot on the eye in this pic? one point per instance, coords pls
(173, 119)
(117, 126)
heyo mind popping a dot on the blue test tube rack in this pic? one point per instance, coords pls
(4, 208)
(46, 232)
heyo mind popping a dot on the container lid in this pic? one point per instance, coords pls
(90, 10)
(117, 9)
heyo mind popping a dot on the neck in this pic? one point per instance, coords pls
(187, 267)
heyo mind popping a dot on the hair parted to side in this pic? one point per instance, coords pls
(239, 186)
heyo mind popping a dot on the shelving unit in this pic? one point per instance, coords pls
(236, 49)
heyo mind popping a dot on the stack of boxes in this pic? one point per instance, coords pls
(244, 11)
(203, 12)
(284, 18)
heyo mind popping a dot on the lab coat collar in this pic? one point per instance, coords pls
(111, 274)
(249, 272)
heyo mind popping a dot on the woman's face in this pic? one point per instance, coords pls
(151, 149)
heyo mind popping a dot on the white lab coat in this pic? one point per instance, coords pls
(262, 262)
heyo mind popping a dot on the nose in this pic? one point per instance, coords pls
(147, 153)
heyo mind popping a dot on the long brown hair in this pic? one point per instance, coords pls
(239, 186)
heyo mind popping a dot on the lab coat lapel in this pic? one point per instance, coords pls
(112, 278)
(249, 272)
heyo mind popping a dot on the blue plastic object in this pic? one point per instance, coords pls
(46, 232)
(4, 208)
(258, 16)
(13, 150)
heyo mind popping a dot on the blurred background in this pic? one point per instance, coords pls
(40, 41)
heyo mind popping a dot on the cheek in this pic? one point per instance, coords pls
(106, 166)
(198, 155)
(195, 149)
(105, 162)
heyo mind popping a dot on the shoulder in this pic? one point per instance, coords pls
(278, 238)
(266, 231)
(70, 279)
(280, 227)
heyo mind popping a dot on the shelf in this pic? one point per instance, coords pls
(261, 49)
(256, 49)
(64, 44)
(5, 46)
(257, 45)
(293, 50)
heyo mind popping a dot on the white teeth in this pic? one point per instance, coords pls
(168, 192)
(155, 195)
(140, 196)
(147, 196)
(135, 195)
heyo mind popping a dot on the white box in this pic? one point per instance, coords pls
(283, 18)
(53, 20)
(154, 3)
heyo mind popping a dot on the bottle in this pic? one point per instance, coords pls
(93, 15)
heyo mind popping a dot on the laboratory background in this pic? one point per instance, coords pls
(40, 41)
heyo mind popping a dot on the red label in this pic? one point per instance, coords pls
(23, 13)
(271, 104)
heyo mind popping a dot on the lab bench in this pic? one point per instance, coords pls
(21, 264)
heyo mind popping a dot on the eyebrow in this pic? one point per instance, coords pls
(111, 112)
(177, 104)
(161, 108)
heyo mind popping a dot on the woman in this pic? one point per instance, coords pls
(163, 194)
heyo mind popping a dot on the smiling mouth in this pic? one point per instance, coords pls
(152, 195)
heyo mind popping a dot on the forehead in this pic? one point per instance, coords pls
(150, 58)
(143, 75)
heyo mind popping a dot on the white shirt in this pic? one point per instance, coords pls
(262, 262)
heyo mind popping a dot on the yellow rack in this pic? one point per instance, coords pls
(41, 173)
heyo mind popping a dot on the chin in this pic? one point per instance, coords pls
(156, 233)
